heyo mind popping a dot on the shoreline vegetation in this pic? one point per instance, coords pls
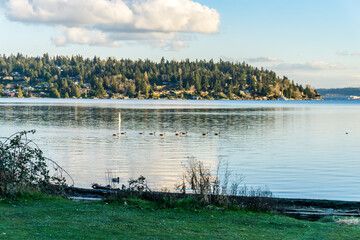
(77, 77)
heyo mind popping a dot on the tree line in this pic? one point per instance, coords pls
(67, 76)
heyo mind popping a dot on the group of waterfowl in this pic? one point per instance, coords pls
(163, 134)
(184, 134)
(216, 134)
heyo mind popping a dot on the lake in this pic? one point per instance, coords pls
(299, 149)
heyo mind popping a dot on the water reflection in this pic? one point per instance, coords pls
(194, 120)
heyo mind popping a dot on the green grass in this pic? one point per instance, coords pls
(54, 218)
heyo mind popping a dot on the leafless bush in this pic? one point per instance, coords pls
(24, 167)
(236, 184)
(139, 185)
(200, 180)
(211, 188)
(198, 176)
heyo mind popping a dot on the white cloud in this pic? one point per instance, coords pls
(175, 15)
(313, 66)
(71, 13)
(143, 35)
(117, 20)
(163, 40)
(167, 45)
(178, 44)
(84, 36)
(263, 59)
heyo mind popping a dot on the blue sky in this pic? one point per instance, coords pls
(315, 42)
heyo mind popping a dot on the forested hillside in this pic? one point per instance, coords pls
(75, 76)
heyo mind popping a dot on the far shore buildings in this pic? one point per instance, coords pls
(35, 88)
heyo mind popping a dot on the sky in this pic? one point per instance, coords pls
(310, 42)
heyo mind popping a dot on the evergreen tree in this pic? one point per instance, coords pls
(147, 93)
(181, 87)
(99, 91)
(54, 93)
(75, 91)
(132, 90)
(197, 82)
(20, 93)
(230, 91)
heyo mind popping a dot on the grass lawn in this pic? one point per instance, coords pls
(51, 218)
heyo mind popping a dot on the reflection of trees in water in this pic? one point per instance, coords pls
(191, 120)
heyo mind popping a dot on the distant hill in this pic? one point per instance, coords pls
(339, 91)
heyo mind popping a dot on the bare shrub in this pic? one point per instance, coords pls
(227, 173)
(24, 167)
(234, 189)
(182, 185)
(211, 188)
(139, 185)
(198, 176)
(201, 181)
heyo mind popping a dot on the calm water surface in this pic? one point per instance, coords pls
(297, 149)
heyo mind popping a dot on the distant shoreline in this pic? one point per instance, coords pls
(177, 99)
